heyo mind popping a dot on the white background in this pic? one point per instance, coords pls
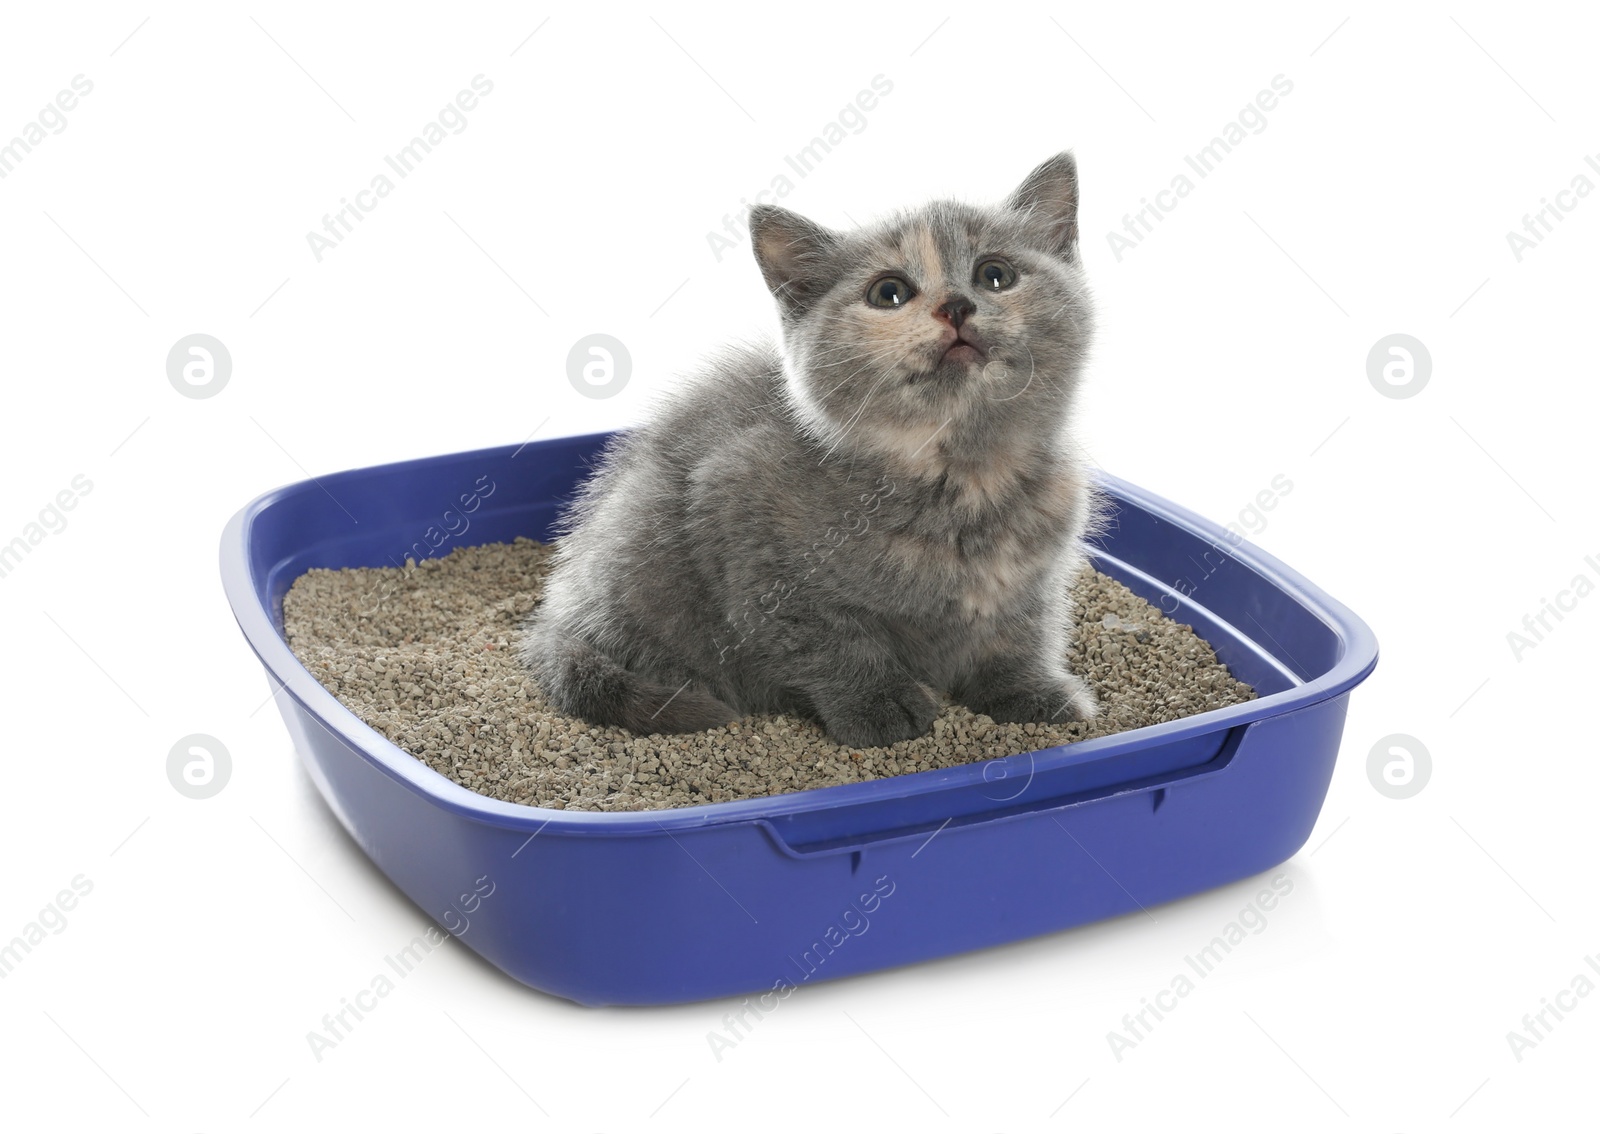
(578, 199)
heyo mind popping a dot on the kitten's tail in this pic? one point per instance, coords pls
(586, 682)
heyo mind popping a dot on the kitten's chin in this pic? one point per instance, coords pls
(956, 366)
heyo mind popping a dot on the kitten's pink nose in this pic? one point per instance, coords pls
(955, 310)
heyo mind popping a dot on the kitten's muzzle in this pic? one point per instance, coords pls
(955, 310)
(963, 345)
(961, 351)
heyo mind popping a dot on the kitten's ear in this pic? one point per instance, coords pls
(793, 254)
(1049, 195)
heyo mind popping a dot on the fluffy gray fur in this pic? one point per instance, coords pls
(846, 526)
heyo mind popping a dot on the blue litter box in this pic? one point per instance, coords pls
(763, 896)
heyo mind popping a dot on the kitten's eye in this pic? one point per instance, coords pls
(996, 275)
(890, 291)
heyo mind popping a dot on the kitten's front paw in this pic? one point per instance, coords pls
(1070, 701)
(875, 717)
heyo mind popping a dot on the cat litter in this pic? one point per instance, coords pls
(424, 655)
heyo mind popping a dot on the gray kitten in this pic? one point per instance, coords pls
(886, 508)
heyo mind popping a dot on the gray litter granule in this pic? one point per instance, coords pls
(424, 654)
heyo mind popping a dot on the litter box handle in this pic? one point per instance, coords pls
(834, 830)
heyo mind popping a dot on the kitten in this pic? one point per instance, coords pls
(886, 508)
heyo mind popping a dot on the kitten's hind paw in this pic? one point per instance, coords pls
(1069, 701)
(873, 717)
(584, 681)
